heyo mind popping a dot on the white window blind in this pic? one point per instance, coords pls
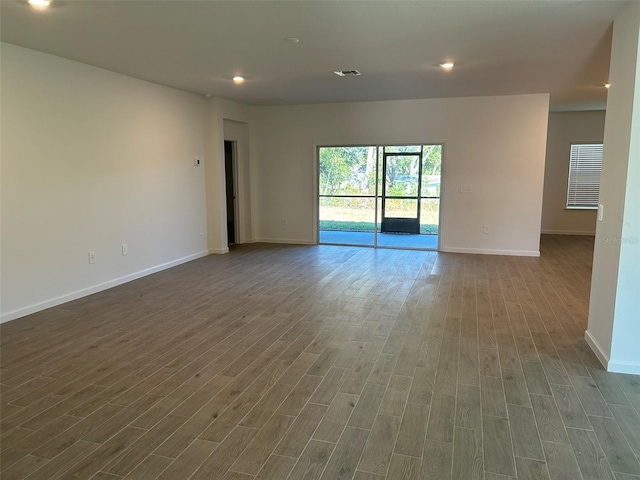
(585, 166)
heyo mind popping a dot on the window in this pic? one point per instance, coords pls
(585, 165)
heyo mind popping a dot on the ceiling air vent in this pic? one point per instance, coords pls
(347, 73)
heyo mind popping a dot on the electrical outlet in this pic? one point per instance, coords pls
(465, 188)
(201, 231)
(485, 229)
(92, 257)
(125, 249)
(284, 221)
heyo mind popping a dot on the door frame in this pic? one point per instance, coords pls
(234, 167)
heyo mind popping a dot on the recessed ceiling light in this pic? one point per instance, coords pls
(238, 79)
(292, 40)
(447, 65)
(347, 73)
(607, 85)
(39, 3)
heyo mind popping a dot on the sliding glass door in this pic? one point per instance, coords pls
(380, 196)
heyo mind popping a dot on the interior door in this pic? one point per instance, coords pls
(231, 194)
(401, 187)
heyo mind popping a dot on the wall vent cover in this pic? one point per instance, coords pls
(347, 73)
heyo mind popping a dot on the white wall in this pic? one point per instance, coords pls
(614, 311)
(564, 129)
(90, 160)
(495, 144)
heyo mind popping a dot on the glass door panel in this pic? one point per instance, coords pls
(401, 208)
(402, 175)
(429, 216)
(401, 187)
(347, 191)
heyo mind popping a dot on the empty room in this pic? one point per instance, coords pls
(368, 240)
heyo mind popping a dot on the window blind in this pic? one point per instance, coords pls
(585, 166)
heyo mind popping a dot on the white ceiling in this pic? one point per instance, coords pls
(500, 47)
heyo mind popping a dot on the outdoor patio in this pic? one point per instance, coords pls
(390, 240)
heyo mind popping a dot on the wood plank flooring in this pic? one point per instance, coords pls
(322, 362)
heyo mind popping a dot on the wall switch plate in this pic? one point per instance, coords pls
(196, 162)
(600, 212)
(485, 229)
(201, 231)
(92, 257)
(125, 249)
(465, 188)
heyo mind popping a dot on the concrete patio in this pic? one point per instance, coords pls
(387, 240)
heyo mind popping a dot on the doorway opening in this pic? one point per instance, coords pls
(385, 196)
(229, 170)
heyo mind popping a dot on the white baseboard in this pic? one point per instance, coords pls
(597, 349)
(568, 232)
(632, 368)
(36, 307)
(218, 251)
(488, 251)
(287, 241)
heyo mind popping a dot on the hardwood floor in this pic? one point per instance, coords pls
(276, 362)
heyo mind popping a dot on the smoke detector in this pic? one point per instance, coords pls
(347, 73)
